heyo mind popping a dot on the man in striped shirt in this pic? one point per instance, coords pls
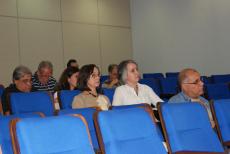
(42, 80)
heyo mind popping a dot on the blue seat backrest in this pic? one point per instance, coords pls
(60, 135)
(206, 80)
(87, 113)
(138, 106)
(103, 78)
(225, 78)
(1, 91)
(122, 131)
(222, 113)
(109, 93)
(153, 75)
(169, 85)
(154, 84)
(128, 106)
(5, 138)
(31, 102)
(188, 128)
(217, 91)
(171, 74)
(66, 98)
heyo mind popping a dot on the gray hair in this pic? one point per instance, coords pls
(45, 64)
(122, 70)
(21, 71)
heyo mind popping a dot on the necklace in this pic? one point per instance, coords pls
(93, 94)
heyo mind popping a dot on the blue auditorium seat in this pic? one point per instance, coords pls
(153, 83)
(103, 78)
(141, 105)
(224, 78)
(206, 79)
(220, 110)
(153, 75)
(66, 97)
(32, 102)
(52, 135)
(5, 138)
(109, 92)
(87, 113)
(188, 128)
(128, 131)
(171, 74)
(217, 91)
(169, 87)
(1, 91)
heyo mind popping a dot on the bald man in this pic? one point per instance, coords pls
(191, 90)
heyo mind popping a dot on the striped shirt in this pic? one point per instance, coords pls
(49, 86)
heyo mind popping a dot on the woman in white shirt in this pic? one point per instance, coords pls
(132, 92)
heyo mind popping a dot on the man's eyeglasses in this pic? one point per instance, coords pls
(195, 82)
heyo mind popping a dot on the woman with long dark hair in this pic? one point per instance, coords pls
(89, 84)
(67, 81)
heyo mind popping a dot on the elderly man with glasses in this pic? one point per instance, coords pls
(22, 82)
(191, 87)
(43, 80)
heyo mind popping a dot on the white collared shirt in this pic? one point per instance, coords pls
(126, 95)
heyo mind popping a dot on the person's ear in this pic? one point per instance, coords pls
(16, 81)
(183, 87)
(68, 79)
(38, 72)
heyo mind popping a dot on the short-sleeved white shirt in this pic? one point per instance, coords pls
(126, 95)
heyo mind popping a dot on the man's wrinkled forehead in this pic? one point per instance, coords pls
(192, 75)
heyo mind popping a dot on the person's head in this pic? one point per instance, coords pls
(22, 78)
(45, 71)
(69, 78)
(128, 72)
(89, 78)
(72, 63)
(113, 71)
(190, 82)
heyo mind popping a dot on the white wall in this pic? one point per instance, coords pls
(169, 35)
(92, 31)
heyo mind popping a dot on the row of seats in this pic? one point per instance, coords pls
(130, 130)
(150, 75)
(43, 101)
(212, 92)
(223, 78)
(217, 91)
(167, 87)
